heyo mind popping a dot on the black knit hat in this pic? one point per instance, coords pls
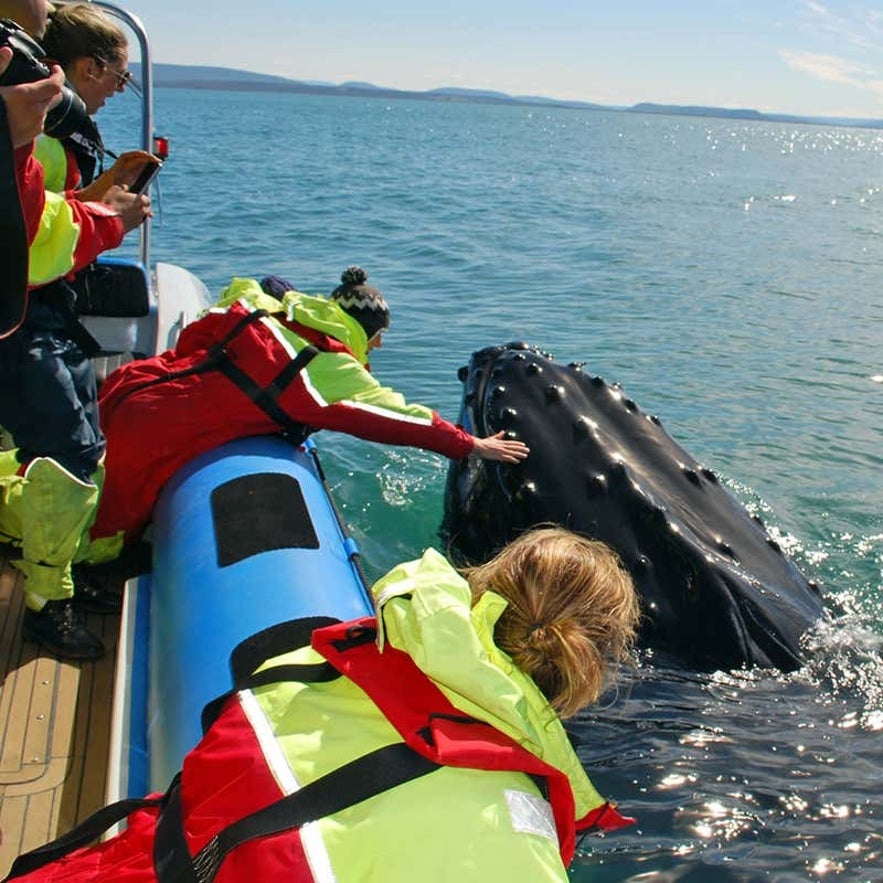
(365, 304)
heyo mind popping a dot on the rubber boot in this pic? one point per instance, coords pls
(92, 597)
(61, 630)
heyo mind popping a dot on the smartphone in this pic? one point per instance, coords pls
(145, 176)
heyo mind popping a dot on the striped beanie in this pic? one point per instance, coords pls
(365, 304)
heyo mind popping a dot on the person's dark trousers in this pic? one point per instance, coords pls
(49, 405)
(48, 393)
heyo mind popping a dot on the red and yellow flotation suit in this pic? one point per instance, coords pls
(348, 761)
(185, 410)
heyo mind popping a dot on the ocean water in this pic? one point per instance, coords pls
(729, 275)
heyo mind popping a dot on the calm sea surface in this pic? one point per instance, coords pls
(728, 274)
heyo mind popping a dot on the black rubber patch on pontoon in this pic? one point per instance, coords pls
(260, 513)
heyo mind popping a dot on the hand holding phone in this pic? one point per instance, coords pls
(146, 176)
(130, 207)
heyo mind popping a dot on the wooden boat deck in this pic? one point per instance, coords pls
(54, 730)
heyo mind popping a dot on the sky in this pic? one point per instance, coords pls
(778, 56)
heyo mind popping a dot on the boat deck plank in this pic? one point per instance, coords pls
(55, 730)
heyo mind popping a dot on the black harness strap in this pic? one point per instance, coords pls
(88, 830)
(214, 354)
(250, 654)
(282, 637)
(266, 398)
(352, 783)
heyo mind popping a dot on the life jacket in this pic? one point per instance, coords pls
(236, 813)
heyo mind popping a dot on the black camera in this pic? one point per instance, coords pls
(69, 115)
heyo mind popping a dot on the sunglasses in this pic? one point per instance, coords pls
(123, 78)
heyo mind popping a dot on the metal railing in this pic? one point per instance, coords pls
(134, 24)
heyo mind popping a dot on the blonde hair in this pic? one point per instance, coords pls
(81, 30)
(572, 616)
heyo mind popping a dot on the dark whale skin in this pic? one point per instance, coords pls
(717, 592)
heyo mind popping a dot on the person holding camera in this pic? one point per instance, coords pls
(48, 396)
(93, 52)
(61, 238)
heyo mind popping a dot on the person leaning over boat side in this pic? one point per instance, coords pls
(48, 396)
(528, 638)
(255, 365)
(424, 743)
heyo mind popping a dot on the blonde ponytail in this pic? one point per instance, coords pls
(572, 616)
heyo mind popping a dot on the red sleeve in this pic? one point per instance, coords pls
(441, 436)
(100, 229)
(29, 177)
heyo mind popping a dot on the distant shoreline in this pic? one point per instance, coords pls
(176, 76)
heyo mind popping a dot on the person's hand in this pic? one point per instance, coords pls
(131, 207)
(28, 103)
(498, 447)
(129, 165)
(121, 174)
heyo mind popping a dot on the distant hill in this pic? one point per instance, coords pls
(183, 76)
(172, 74)
(748, 114)
(697, 111)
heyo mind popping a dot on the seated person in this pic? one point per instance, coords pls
(256, 364)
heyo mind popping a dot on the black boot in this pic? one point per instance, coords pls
(59, 627)
(91, 597)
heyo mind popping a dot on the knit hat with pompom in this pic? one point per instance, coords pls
(365, 304)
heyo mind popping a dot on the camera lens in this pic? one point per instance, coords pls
(26, 66)
(67, 117)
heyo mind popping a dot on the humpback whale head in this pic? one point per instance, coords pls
(717, 592)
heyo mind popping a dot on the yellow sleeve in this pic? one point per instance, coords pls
(50, 154)
(52, 251)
